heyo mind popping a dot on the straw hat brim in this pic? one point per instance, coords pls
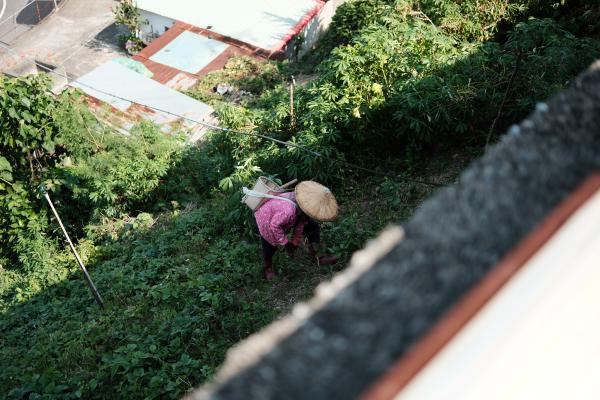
(316, 201)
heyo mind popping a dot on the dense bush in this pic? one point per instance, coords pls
(178, 296)
(462, 99)
(404, 83)
(176, 258)
(28, 136)
(353, 16)
(91, 171)
(122, 175)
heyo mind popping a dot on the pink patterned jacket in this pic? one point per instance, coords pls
(276, 217)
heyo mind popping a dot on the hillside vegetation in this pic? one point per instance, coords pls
(408, 89)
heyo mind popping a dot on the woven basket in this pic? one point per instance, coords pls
(262, 185)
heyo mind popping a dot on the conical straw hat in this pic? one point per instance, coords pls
(316, 201)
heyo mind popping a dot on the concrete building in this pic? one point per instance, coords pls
(71, 40)
(265, 25)
(187, 39)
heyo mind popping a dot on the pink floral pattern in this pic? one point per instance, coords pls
(276, 217)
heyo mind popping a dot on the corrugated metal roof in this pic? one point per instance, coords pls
(162, 73)
(189, 52)
(112, 83)
(173, 77)
(262, 23)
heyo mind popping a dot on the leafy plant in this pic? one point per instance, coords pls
(406, 86)
(28, 144)
(128, 14)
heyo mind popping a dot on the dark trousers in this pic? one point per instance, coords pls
(312, 232)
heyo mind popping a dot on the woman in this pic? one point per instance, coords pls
(296, 212)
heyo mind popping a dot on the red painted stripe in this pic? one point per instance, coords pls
(422, 352)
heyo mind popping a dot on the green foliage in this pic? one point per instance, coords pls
(581, 18)
(5, 172)
(350, 18)
(126, 13)
(28, 141)
(415, 74)
(353, 16)
(180, 291)
(545, 47)
(123, 175)
(26, 121)
(84, 164)
(462, 99)
(180, 287)
(472, 20)
(242, 73)
(160, 224)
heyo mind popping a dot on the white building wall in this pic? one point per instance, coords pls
(154, 25)
(313, 31)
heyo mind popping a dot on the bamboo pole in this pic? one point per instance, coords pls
(86, 275)
(292, 117)
(290, 183)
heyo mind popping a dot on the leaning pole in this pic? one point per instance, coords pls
(88, 279)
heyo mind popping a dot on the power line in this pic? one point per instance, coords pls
(282, 142)
(259, 135)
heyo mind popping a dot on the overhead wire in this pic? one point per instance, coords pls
(254, 134)
(270, 138)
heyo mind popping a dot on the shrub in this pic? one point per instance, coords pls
(91, 171)
(404, 82)
(122, 176)
(28, 148)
